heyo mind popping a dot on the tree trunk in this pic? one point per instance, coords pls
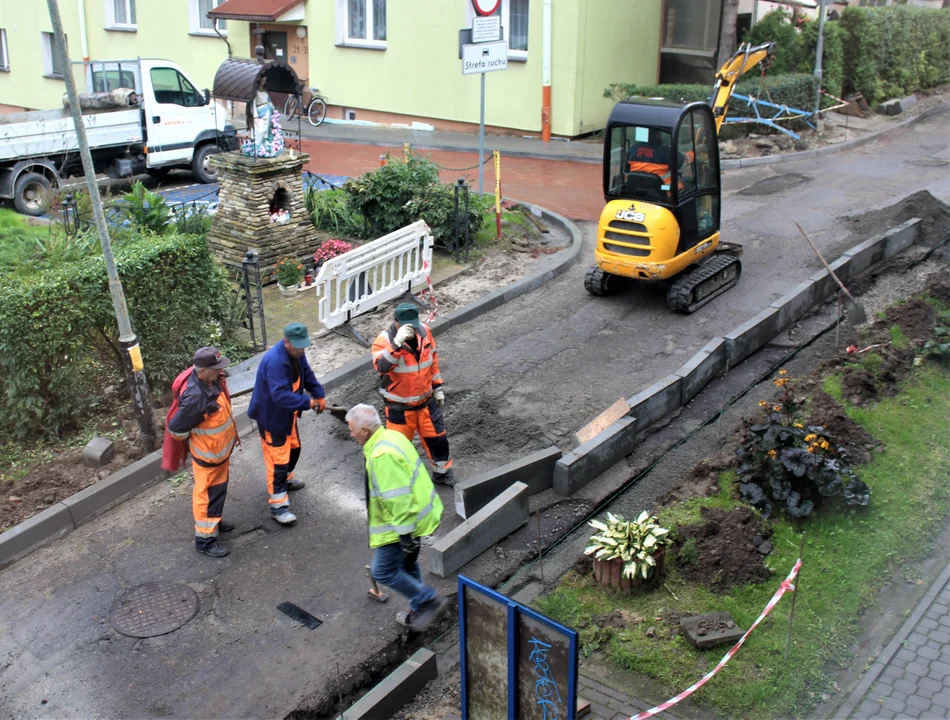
(727, 34)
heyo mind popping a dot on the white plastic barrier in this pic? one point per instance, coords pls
(366, 277)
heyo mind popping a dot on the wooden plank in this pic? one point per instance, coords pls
(602, 421)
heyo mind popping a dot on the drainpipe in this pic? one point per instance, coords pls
(82, 31)
(546, 72)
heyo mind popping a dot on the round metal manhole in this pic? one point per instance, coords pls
(154, 609)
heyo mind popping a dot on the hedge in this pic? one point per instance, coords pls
(58, 332)
(893, 51)
(794, 90)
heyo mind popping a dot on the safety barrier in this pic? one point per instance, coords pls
(364, 278)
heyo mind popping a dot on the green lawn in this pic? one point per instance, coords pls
(849, 553)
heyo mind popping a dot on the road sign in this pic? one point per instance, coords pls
(484, 57)
(486, 29)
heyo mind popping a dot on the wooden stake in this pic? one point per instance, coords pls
(339, 690)
(540, 562)
(838, 323)
(722, 403)
(791, 614)
(825, 263)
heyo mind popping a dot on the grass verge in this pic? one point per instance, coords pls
(850, 552)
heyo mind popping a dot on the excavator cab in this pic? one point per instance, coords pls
(663, 192)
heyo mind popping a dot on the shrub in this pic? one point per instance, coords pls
(330, 249)
(382, 196)
(58, 333)
(776, 26)
(786, 462)
(832, 55)
(289, 271)
(437, 207)
(329, 211)
(633, 541)
(145, 210)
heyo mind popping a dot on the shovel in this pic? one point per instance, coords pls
(339, 412)
(860, 314)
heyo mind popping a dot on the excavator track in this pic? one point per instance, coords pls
(708, 281)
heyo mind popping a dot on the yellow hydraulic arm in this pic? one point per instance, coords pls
(745, 58)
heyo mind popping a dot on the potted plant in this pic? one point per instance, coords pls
(628, 554)
(289, 274)
(330, 249)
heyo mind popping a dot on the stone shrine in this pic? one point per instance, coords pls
(252, 191)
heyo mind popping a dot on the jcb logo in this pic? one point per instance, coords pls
(631, 216)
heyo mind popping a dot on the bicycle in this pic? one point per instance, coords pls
(316, 108)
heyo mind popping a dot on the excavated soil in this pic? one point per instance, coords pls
(828, 412)
(934, 219)
(727, 545)
(915, 318)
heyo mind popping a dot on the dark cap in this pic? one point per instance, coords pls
(210, 357)
(408, 314)
(298, 336)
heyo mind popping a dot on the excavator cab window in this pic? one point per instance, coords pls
(640, 163)
(697, 175)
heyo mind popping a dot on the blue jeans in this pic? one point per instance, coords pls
(387, 567)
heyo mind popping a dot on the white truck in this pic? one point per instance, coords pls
(173, 125)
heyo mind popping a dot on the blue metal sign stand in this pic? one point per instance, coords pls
(514, 612)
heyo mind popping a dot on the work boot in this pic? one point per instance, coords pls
(294, 485)
(285, 517)
(225, 526)
(419, 620)
(214, 550)
(447, 478)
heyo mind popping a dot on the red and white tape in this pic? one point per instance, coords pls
(783, 588)
(429, 296)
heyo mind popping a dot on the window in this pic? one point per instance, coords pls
(52, 62)
(518, 25)
(692, 25)
(639, 163)
(698, 174)
(199, 21)
(172, 88)
(362, 23)
(4, 53)
(120, 15)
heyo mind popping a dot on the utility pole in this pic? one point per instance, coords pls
(818, 53)
(128, 343)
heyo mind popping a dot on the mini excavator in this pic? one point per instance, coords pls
(663, 191)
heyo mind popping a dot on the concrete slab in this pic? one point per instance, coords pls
(657, 401)
(601, 422)
(867, 254)
(98, 452)
(536, 471)
(702, 367)
(397, 689)
(795, 303)
(100, 496)
(902, 237)
(751, 335)
(53, 522)
(583, 464)
(494, 522)
(711, 629)
(842, 268)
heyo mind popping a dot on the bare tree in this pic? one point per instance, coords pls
(727, 35)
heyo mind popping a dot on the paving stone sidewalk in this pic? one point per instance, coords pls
(911, 678)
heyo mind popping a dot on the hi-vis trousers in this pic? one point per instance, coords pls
(426, 420)
(280, 461)
(207, 501)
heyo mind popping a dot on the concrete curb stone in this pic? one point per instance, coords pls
(902, 237)
(585, 462)
(867, 254)
(397, 689)
(100, 496)
(795, 303)
(702, 367)
(656, 402)
(22, 539)
(536, 471)
(751, 335)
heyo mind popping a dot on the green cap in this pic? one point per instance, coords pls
(408, 314)
(297, 334)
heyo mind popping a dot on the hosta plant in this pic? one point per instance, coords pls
(795, 466)
(636, 542)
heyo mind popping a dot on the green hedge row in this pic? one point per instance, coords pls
(58, 332)
(894, 51)
(794, 90)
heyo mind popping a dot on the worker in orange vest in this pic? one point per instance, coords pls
(411, 385)
(203, 418)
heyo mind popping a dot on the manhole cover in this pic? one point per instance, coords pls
(154, 609)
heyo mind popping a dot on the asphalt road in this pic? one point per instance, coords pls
(536, 369)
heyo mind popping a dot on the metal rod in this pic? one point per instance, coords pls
(339, 690)
(819, 50)
(540, 562)
(128, 342)
(481, 142)
(798, 584)
(722, 402)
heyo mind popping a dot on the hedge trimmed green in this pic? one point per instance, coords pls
(58, 332)
(893, 51)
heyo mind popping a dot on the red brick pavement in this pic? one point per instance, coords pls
(570, 188)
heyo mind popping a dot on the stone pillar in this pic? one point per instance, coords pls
(249, 186)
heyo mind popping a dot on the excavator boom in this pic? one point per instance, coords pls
(744, 59)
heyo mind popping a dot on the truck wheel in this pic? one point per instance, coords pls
(599, 283)
(201, 168)
(30, 193)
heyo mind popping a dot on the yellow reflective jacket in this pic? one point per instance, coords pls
(401, 498)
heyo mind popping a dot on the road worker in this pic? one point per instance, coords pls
(402, 506)
(410, 382)
(201, 417)
(284, 388)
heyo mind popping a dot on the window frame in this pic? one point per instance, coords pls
(194, 20)
(343, 26)
(49, 56)
(180, 78)
(116, 26)
(4, 51)
(505, 12)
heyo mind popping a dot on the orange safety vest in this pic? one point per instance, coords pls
(407, 378)
(212, 440)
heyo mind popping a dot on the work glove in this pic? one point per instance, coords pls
(439, 396)
(409, 544)
(318, 404)
(404, 333)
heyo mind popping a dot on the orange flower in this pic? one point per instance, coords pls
(772, 454)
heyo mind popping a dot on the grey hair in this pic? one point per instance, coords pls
(365, 416)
